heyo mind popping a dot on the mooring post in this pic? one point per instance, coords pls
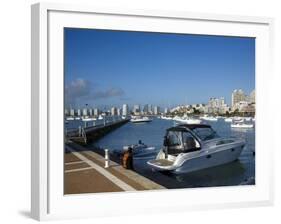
(106, 157)
(85, 124)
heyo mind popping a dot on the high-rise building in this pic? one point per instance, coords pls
(217, 105)
(85, 112)
(253, 97)
(113, 111)
(66, 112)
(125, 110)
(150, 109)
(237, 96)
(79, 113)
(145, 109)
(90, 112)
(166, 111)
(72, 112)
(156, 110)
(136, 109)
(96, 112)
(119, 111)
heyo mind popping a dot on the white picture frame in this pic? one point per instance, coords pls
(48, 201)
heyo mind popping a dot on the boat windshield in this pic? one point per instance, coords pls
(205, 133)
(174, 138)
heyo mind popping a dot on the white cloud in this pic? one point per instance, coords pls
(80, 89)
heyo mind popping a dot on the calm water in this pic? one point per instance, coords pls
(152, 134)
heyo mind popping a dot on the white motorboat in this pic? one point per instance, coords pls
(166, 118)
(238, 119)
(177, 118)
(100, 117)
(189, 148)
(77, 118)
(138, 119)
(89, 119)
(242, 125)
(209, 118)
(69, 118)
(228, 119)
(187, 120)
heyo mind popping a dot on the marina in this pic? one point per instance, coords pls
(151, 134)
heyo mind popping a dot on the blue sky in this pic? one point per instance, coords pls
(110, 68)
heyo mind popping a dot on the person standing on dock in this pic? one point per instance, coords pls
(127, 160)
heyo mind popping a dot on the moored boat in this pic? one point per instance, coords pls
(209, 118)
(189, 148)
(228, 119)
(166, 118)
(69, 118)
(138, 119)
(89, 119)
(187, 120)
(242, 125)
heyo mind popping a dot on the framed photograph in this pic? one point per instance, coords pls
(161, 111)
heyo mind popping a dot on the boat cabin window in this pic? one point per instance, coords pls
(189, 142)
(205, 133)
(174, 138)
(180, 142)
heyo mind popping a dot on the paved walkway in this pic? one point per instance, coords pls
(85, 173)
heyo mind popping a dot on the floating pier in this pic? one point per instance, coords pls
(84, 135)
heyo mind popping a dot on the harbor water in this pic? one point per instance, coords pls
(152, 133)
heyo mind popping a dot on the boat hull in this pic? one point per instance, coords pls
(210, 160)
(242, 126)
(202, 161)
(141, 121)
(228, 119)
(190, 121)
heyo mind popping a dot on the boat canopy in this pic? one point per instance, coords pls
(183, 127)
(202, 131)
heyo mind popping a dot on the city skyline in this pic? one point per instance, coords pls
(150, 107)
(116, 67)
